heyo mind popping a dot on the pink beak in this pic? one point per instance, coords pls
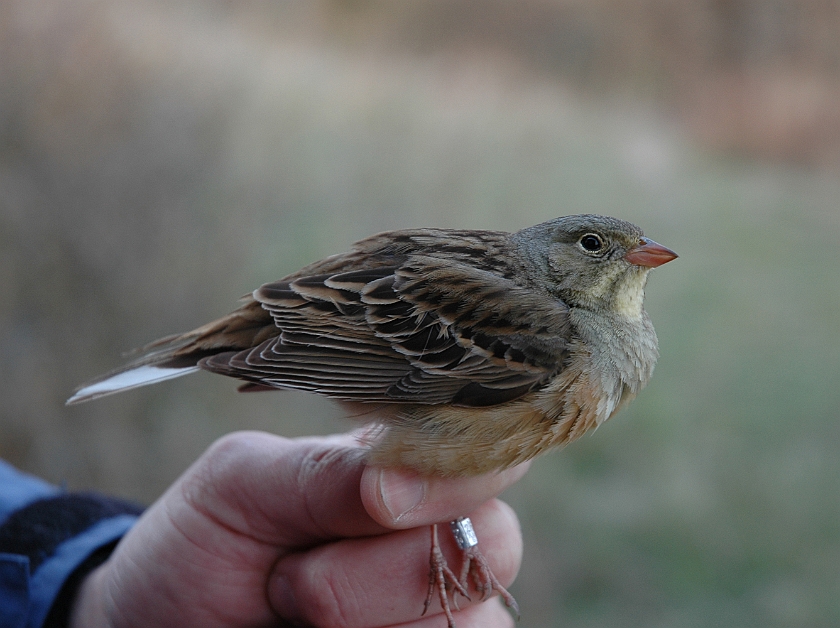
(650, 254)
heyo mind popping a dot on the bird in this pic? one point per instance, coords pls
(467, 351)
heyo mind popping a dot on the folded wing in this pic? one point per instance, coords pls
(428, 331)
(406, 317)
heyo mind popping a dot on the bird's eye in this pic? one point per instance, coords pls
(591, 243)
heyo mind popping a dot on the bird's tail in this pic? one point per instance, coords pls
(150, 369)
(179, 355)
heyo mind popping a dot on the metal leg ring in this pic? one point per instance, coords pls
(464, 533)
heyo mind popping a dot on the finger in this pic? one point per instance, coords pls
(383, 580)
(280, 491)
(489, 614)
(400, 499)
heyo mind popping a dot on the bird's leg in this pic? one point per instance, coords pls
(441, 577)
(476, 565)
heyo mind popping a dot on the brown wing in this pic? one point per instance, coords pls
(425, 330)
(420, 316)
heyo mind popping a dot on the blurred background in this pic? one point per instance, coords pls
(160, 159)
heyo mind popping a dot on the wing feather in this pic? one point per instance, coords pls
(428, 330)
(422, 316)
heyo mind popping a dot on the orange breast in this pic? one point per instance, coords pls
(456, 441)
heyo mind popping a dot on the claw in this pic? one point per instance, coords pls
(484, 579)
(442, 579)
(440, 575)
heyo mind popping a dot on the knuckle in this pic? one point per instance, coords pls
(222, 470)
(231, 448)
(330, 598)
(326, 462)
(334, 468)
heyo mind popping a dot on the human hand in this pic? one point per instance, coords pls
(268, 531)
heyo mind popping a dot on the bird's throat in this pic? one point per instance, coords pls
(628, 296)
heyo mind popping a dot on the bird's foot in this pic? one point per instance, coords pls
(485, 581)
(441, 579)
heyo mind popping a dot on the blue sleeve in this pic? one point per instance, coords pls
(49, 540)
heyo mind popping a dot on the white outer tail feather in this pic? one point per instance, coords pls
(126, 380)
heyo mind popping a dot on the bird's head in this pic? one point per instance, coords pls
(594, 262)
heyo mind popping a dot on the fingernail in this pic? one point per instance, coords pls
(401, 492)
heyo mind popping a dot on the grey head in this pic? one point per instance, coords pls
(593, 262)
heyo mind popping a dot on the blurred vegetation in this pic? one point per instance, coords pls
(157, 160)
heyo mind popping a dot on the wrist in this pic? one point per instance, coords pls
(88, 609)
